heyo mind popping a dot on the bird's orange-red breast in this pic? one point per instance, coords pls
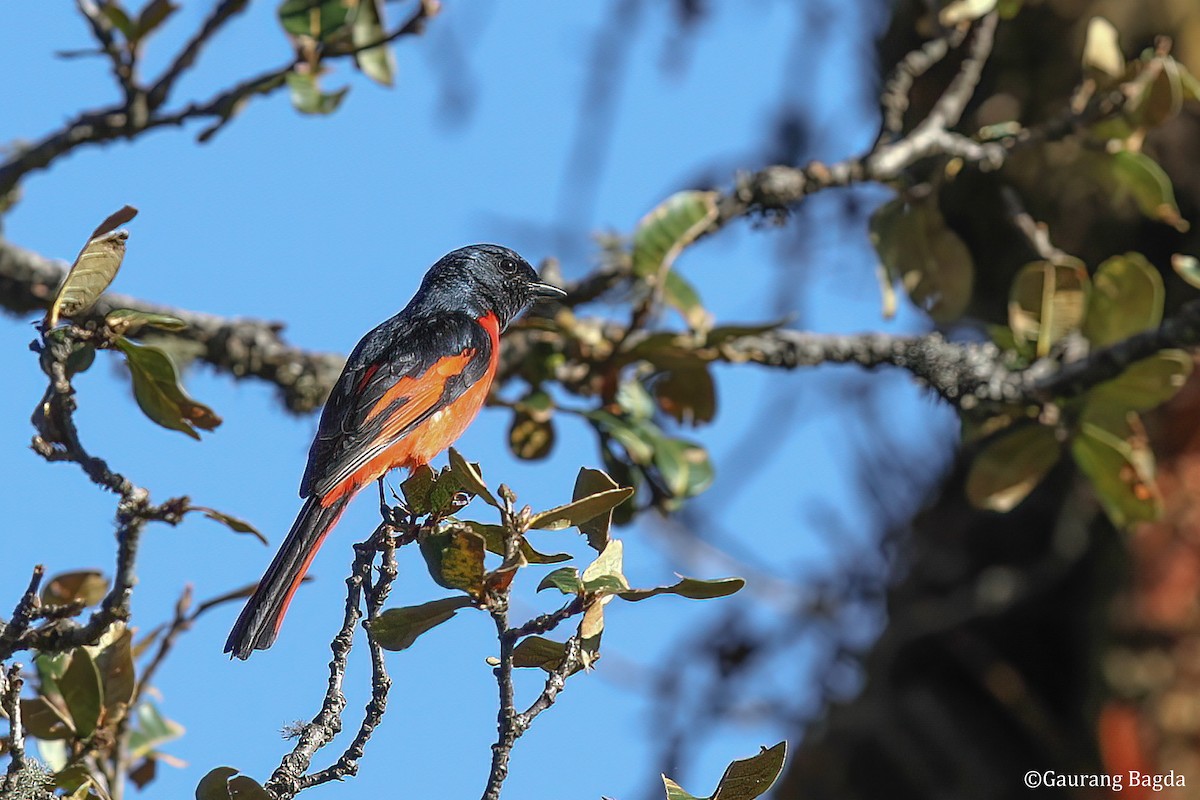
(409, 389)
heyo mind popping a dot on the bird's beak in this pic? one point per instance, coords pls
(546, 291)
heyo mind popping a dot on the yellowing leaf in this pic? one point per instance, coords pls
(94, 268)
(743, 780)
(1047, 301)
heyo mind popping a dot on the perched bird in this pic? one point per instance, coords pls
(408, 390)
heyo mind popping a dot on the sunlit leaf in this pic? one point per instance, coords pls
(1047, 301)
(691, 588)
(1188, 268)
(307, 96)
(87, 587)
(661, 236)
(565, 579)
(580, 511)
(398, 628)
(1009, 468)
(124, 321)
(608, 564)
(94, 268)
(958, 11)
(1102, 50)
(1126, 298)
(745, 779)
(377, 63)
(160, 395)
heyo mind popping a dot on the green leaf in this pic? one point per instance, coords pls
(608, 563)
(113, 657)
(685, 467)
(1127, 298)
(1009, 468)
(319, 19)
(918, 249)
(635, 401)
(539, 652)
(233, 523)
(658, 240)
(215, 785)
(152, 730)
(308, 98)
(124, 321)
(470, 479)
(743, 780)
(444, 494)
(1188, 268)
(454, 557)
(397, 628)
(675, 223)
(691, 588)
(493, 538)
(633, 435)
(44, 720)
(682, 296)
(1122, 477)
(94, 268)
(688, 394)
(417, 489)
(87, 587)
(1146, 384)
(1139, 177)
(82, 692)
(244, 788)
(580, 511)
(587, 483)
(377, 63)
(565, 579)
(1047, 301)
(117, 17)
(531, 435)
(159, 394)
(153, 15)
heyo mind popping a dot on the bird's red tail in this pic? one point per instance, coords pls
(259, 622)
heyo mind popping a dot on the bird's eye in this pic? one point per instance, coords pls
(508, 266)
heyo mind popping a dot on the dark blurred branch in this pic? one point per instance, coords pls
(132, 117)
(102, 30)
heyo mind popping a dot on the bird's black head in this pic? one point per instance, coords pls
(482, 278)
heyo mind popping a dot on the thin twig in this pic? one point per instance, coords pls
(183, 61)
(1037, 233)
(555, 683)
(915, 64)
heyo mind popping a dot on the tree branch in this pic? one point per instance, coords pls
(10, 700)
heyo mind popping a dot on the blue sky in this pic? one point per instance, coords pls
(328, 223)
